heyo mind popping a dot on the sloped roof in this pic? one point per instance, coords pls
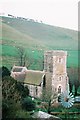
(41, 114)
(17, 68)
(29, 77)
(33, 77)
(20, 77)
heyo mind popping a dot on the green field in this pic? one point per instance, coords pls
(35, 38)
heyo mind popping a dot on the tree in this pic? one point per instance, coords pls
(24, 91)
(73, 89)
(11, 89)
(12, 94)
(74, 79)
(78, 90)
(54, 97)
(9, 108)
(49, 106)
(24, 58)
(4, 71)
(28, 104)
(51, 101)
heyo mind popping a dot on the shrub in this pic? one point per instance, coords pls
(78, 90)
(9, 108)
(22, 114)
(28, 104)
(12, 94)
(4, 71)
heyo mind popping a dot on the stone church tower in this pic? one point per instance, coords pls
(55, 64)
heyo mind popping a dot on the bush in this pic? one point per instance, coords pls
(22, 114)
(11, 89)
(12, 94)
(4, 71)
(9, 108)
(78, 90)
(28, 104)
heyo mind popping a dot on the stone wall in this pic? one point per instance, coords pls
(48, 62)
(35, 91)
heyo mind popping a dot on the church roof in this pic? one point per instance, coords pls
(33, 77)
(29, 77)
(20, 77)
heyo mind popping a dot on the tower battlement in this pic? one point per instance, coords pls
(55, 58)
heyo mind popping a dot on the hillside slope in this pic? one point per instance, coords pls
(36, 38)
(44, 33)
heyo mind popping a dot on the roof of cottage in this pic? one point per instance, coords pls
(41, 114)
(33, 77)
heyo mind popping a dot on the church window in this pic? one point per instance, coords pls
(31, 89)
(44, 81)
(59, 89)
(36, 90)
(59, 78)
(60, 60)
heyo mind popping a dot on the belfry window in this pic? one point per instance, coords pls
(60, 60)
(60, 78)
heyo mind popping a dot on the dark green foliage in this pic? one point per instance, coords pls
(78, 90)
(74, 78)
(28, 104)
(24, 91)
(73, 89)
(9, 108)
(23, 115)
(0, 72)
(11, 89)
(4, 71)
(12, 94)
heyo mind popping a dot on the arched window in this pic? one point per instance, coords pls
(60, 78)
(59, 89)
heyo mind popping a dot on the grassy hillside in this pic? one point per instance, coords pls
(36, 38)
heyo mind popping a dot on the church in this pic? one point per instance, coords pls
(53, 79)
